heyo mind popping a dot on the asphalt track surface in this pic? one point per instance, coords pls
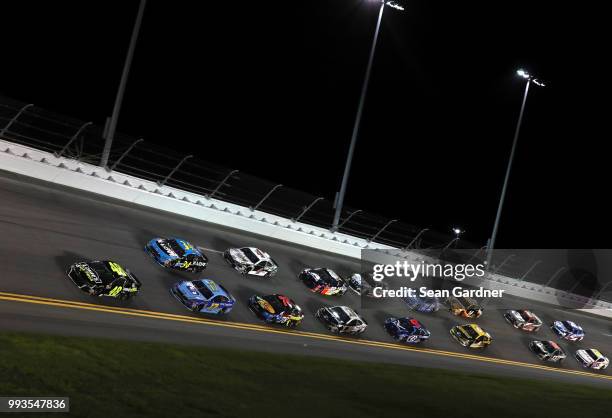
(44, 228)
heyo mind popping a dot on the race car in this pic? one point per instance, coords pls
(251, 261)
(464, 306)
(471, 335)
(276, 309)
(342, 320)
(176, 254)
(204, 296)
(104, 278)
(548, 351)
(568, 330)
(523, 319)
(323, 280)
(423, 304)
(361, 284)
(592, 359)
(408, 330)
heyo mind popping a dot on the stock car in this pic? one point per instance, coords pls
(341, 320)
(471, 336)
(360, 284)
(204, 296)
(548, 351)
(464, 306)
(104, 278)
(592, 359)
(523, 319)
(251, 261)
(176, 254)
(408, 330)
(323, 280)
(568, 330)
(276, 309)
(423, 304)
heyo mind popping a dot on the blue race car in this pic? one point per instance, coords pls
(422, 304)
(176, 254)
(204, 296)
(568, 330)
(408, 330)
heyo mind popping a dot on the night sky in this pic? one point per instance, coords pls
(271, 88)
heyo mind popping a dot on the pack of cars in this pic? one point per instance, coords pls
(108, 278)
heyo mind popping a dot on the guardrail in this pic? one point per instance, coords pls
(210, 186)
(83, 141)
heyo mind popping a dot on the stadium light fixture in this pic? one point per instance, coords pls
(339, 201)
(530, 79)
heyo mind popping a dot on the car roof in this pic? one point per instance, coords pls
(186, 246)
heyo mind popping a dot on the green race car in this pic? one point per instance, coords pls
(104, 278)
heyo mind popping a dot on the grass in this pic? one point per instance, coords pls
(117, 378)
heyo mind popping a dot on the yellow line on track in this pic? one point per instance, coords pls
(13, 297)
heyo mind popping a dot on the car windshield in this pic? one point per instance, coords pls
(549, 346)
(470, 331)
(591, 354)
(279, 303)
(103, 272)
(176, 247)
(407, 323)
(204, 290)
(327, 277)
(248, 253)
(340, 314)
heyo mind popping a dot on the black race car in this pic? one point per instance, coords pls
(104, 278)
(276, 309)
(324, 281)
(548, 351)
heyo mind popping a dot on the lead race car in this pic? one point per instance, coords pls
(341, 320)
(323, 280)
(104, 278)
(176, 254)
(251, 261)
(276, 309)
(204, 296)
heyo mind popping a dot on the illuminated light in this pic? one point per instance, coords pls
(523, 73)
(394, 5)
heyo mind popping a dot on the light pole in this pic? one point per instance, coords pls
(530, 79)
(124, 77)
(457, 231)
(364, 89)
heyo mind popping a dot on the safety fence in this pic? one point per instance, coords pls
(35, 127)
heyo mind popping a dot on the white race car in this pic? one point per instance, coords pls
(342, 320)
(251, 261)
(592, 359)
(523, 319)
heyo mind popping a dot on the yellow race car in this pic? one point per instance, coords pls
(471, 335)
